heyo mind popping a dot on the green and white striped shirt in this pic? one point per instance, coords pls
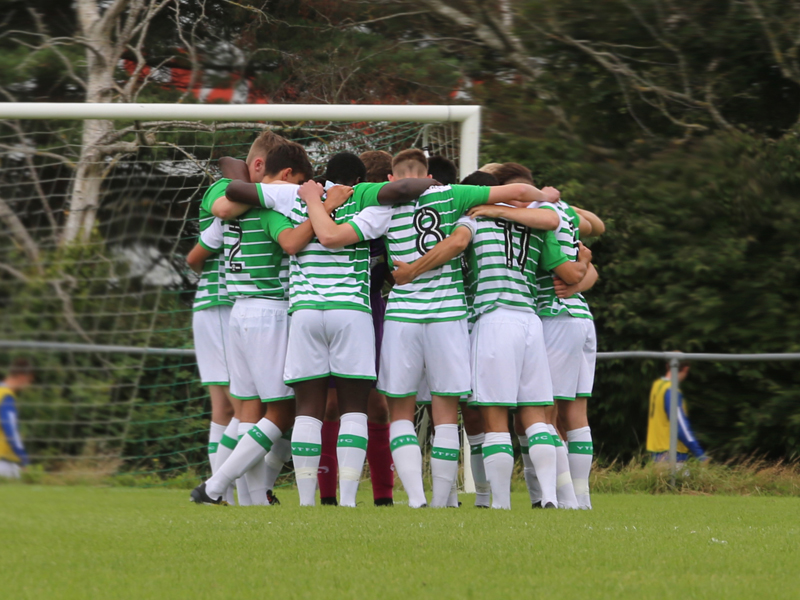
(411, 230)
(255, 264)
(559, 247)
(211, 288)
(323, 278)
(500, 266)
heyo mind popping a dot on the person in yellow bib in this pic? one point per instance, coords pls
(12, 451)
(658, 421)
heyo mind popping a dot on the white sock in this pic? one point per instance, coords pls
(242, 489)
(531, 482)
(564, 489)
(226, 445)
(247, 455)
(498, 460)
(444, 462)
(482, 488)
(258, 441)
(543, 456)
(407, 458)
(581, 450)
(452, 499)
(351, 451)
(306, 452)
(227, 442)
(215, 431)
(280, 453)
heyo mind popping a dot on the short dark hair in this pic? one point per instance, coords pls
(443, 170)
(288, 155)
(378, 164)
(21, 366)
(410, 155)
(345, 168)
(510, 171)
(480, 178)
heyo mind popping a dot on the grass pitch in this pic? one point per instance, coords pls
(82, 542)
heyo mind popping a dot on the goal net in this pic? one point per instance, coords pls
(94, 286)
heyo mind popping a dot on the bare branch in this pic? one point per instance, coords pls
(19, 232)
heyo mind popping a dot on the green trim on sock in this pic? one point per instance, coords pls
(476, 449)
(304, 449)
(403, 440)
(497, 448)
(228, 442)
(581, 448)
(351, 441)
(524, 449)
(261, 438)
(557, 441)
(541, 438)
(444, 453)
(212, 447)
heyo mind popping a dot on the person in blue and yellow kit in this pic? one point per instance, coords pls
(12, 451)
(658, 421)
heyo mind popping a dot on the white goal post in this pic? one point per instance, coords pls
(469, 116)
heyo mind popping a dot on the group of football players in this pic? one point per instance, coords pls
(328, 308)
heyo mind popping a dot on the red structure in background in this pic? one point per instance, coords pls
(237, 91)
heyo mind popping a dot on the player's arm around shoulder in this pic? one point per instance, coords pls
(293, 239)
(535, 218)
(328, 232)
(443, 252)
(522, 194)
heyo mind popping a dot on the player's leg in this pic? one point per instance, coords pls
(379, 452)
(534, 399)
(210, 332)
(221, 414)
(498, 454)
(447, 365)
(474, 426)
(579, 434)
(328, 466)
(307, 371)
(351, 447)
(310, 398)
(401, 368)
(564, 488)
(352, 362)
(531, 482)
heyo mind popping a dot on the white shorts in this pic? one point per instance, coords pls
(259, 334)
(211, 344)
(437, 351)
(9, 470)
(509, 360)
(572, 352)
(330, 342)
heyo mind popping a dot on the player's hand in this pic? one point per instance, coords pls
(563, 290)
(310, 190)
(551, 194)
(489, 211)
(403, 273)
(337, 196)
(584, 254)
